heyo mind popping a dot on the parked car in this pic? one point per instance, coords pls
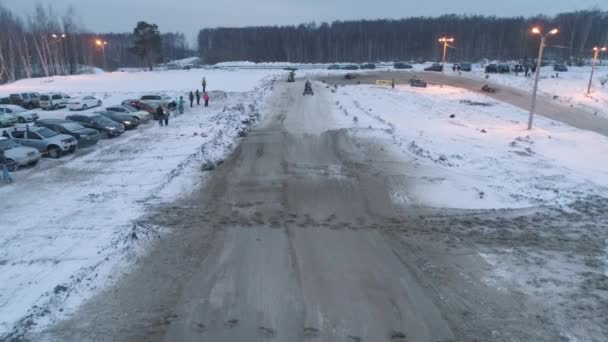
(560, 68)
(44, 140)
(368, 66)
(504, 68)
(401, 65)
(126, 120)
(23, 115)
(435, 67)
(466, 67)
(84, 136)
(53, 100)
(98, 122)
(142, 106)
(5, 100)
(18, 155)
(7, 120)
(491, 68)
(140, 115)
(334, 67)
(519, 68)
(350, 67)
(83, 103)
(157, 100)
(27, 100)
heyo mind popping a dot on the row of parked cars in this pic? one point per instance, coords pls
(507, 68)
(27, 143)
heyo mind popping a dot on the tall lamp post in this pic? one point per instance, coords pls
(445, 41)
(543, 39)
(102, 44)
(596, 53)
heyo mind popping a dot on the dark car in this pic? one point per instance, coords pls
(368, 66)
(401, 65)
(350, 67)
(130, 122)
(491, 68)
(560, 68)
(98, 122)
(84, 136)
(466, 67)
(504, 68)
(518, 68)
(333, 67)
(5, 100)
(434, 67)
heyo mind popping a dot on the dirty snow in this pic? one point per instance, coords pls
(71, 226)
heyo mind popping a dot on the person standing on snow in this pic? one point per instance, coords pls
(204, 85)
(159, 115)
(166, 117)
(191, 97)
(180, 105)
(206, 98)
(6, 176)
(198, 97)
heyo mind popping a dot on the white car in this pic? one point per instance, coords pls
(157, 100)
(53, 100)
(83, 103)
(23, 115)
(18, 155)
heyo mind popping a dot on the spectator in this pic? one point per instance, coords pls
(6, 176)
(191, 98)
(180, 105)
(159, 115)
(204, 83)
(198, 97)
(206, 98)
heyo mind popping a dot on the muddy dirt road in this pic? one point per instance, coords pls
(545, 106)
(290, 241)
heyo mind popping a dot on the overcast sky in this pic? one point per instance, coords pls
(189, 16)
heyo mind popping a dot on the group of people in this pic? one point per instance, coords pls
(162, 115)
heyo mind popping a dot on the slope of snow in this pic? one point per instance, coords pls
(70, 226)
(483, 157)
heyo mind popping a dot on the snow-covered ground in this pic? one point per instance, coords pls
(482, 157)
(71, 226)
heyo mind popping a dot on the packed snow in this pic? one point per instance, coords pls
(469, 151)
(71, 226)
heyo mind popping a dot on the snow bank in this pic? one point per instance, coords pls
(482, 157)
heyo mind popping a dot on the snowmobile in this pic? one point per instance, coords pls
(486, 88)
(308, 89)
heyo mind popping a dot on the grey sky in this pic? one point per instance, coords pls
(189, 16)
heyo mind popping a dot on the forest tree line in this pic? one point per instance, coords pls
(46, 44)
(476, 37)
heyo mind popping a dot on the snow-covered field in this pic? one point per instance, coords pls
(469, 151)
(71, 226)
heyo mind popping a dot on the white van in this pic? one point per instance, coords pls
(53, 100)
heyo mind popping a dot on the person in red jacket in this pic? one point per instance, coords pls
(206, 98)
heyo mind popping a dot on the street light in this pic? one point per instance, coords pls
(102, 44)
(596, 52)
(543, 39)
(445, 41)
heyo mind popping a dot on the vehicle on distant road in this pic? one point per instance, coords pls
(491, 68)
(23, 115)
(84, 136)
(27, 100)
(435, 67)
(128, 121)
(139, 114)
(53, 100)
(350, 67)
(44, 140)
(466, 67)
(98, 122)
(18, 155)
(334, 67)
(560, 68)
(401, 65)
(367, 66)
(504, 68)
(83, 103)
(7, 120)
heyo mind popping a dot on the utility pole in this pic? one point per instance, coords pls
(445, 41)
(543, 40)
(596, 53)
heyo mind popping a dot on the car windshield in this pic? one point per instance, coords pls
(17, 109)
(47, 133)
(102, 120)
(7, 144)
(44, 97)
(72, 126)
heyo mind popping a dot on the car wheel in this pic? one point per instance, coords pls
(72, 149)
(85, 107)
(20, 120)
(11, 165)
(54, 152)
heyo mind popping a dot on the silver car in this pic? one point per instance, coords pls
(18, 155)
(44, 140)
(23, 115)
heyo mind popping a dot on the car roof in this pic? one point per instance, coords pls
(54, 121)
(28, 127)
(10, 106)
